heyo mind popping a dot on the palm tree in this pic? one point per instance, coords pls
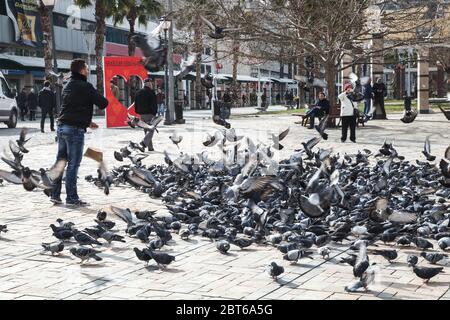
(103, 9)
(188, 18)
(46, 29)
(132, 10)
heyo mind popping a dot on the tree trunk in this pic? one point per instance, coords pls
(100, 28)
(234, 83)
(199, 49)
(131, 21)
(330, 76)
(47, 30)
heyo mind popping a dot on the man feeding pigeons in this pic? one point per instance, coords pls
(77, 107)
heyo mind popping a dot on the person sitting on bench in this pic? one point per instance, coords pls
(321, 108)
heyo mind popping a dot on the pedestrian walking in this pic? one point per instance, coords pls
(32, 104)
(47, 103)
(146, 106)
(368, 96)
(264, 99)
(22, 103)
(227, 101)
(114, 88)
(77, 107)
(161, 102)
(379, 93)
(347, 113)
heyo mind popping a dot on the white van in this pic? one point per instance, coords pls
(8, 105)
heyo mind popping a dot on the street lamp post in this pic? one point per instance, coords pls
(168, 120)
(259, 87)
(171, 80)
(50, 5)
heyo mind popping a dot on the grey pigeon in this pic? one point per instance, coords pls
(433, 257)
(53, 248)
(427, 273)
(223, 246)
(142, 255)
(161, 258)
(84, 239)
(412, 260)
(274, 270)
(85, 254)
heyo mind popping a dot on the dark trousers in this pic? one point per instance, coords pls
(32, 115)
(23, 112)
(316, 112)
(44, 115)
(380, 102)
(348, 121)
(70, 148)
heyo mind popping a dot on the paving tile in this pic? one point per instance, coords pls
(199, 272)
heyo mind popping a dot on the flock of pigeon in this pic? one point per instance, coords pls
(311, 199)
(246, 197)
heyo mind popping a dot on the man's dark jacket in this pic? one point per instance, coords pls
(379, 91)
(145, 101)
(78, 99)
(22, 100)
(324, 106)
(32, 101)
(47, 100)
(368, 94)
(226, 97)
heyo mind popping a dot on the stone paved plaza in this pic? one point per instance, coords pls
(200, 271)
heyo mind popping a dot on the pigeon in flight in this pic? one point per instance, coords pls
(208, 81)
(154, 58)
(277, 138)
(409, 116)
(23, 140)
(3, 228)
(176, 139)
(216, 31)
(321, 127)
(427, 150)
(187, 66)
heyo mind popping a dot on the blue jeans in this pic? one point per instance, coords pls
(367, 105)
(161, 109)
(70, 148)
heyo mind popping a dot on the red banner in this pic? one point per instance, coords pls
(125, 67)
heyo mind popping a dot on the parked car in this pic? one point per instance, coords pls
(8, 104)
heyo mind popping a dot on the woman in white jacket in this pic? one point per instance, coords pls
(347, 114)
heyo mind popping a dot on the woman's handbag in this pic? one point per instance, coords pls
(355, 109)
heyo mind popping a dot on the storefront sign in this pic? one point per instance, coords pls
(26, 21)
(125, 67)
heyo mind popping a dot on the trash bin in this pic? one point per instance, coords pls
(179, 112)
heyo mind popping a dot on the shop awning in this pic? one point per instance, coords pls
(283, 80)
(8, 61)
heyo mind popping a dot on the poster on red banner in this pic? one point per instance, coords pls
(125, 67)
